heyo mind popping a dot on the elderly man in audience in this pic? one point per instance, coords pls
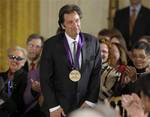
(32, 95)
(13, 83)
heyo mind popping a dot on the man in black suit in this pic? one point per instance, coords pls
(70, 79)
(133, 22)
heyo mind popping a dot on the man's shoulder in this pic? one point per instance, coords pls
(90, 39)
(54, 39)
(145, 10)
(25, 67)
(3, 74)
(123, 10)
(88, 36)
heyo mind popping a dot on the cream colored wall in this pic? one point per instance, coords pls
(146, 3)
(124, 3)
(95, 15)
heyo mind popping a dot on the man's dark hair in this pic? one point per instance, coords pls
(35, 36)
(142, 45)
(69, 8)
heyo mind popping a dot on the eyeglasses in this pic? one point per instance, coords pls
(34, 46)
(17, 58)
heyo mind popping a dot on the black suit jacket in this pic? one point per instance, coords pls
(142, 24)
(15, 103)
(57, 88)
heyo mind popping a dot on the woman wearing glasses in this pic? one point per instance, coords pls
(14, 83)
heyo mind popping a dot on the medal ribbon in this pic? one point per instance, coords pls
(9, 88)
(69, 55)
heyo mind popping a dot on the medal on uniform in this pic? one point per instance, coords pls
(74, 75)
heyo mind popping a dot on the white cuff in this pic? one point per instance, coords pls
(55, 108)
(1, 101)
(90, 103)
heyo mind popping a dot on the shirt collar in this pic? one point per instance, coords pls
(35, 62)
(71, 40)
(137, 7)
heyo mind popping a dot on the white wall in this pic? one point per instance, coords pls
(124, 3)
(95, 15)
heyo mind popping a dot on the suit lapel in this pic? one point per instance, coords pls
(139, 19)
(125, 22)
(127, 17)
(83, 53)
(62, 40)
(83, 65)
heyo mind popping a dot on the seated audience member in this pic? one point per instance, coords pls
(140, 55)
(117, 37)
(120, 55)
(113, 35)
(32, 96)
(105, 47)
(13, 82)
(114, 70)
(120, 63)
(105, 33)
(139, 106)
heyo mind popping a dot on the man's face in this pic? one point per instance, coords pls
(34, 48)
(72, 24)
(104, 52)
(140, 58)
(135, 2)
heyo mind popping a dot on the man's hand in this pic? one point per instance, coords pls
(131, 73)
(57, 113)
(132, 103)
(36, 86)
(148, 69)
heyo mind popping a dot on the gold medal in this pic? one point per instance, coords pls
(74, 75)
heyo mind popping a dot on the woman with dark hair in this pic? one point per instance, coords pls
(117, 37)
